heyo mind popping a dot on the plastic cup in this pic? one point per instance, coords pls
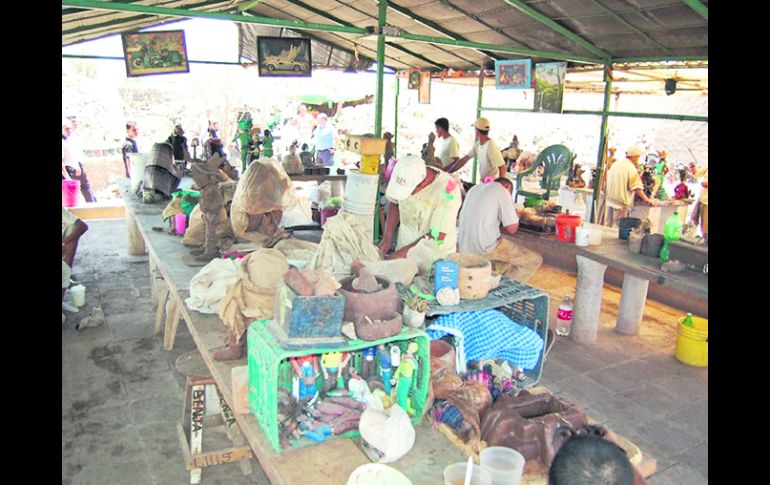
(505, 465)
(180, 223)
(455, 475)
(78, 294)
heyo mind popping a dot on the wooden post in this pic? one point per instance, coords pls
(196, 427)
(588, 300)
(173, 314)
(135, 239)
(632, 301)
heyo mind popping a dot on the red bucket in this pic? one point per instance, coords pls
(69, 192)
(565, 227)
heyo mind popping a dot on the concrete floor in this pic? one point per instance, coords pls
(122, 396)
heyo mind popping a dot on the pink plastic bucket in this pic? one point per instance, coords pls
(69, 192)
(180, 223)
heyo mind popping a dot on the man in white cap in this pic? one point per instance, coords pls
(487, 209)
(490, 160)
(424, 202)
(623, 184)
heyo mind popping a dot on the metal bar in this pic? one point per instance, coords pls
(395, 121)
(696, 5)
(512, 110)
(478, 115)
(111, 58)
(558, 56)
(602, 137)
(178, 12)
(702, 64)
(531, 12)
(327, 16)
(243, 8)
(433, 25)
(626, 114)
(383, 4)
(630, 26)
(672, 58)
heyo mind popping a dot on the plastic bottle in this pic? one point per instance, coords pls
(579, 206)
(687, 322)
(564, 317)
(671, 232)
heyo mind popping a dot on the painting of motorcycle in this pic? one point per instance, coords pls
(284, 56)
(149, 53)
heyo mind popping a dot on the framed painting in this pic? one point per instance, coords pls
(414, 79)
(148, 53)
(284, 56)
(424, 88)
(549, 86)
(516, 74)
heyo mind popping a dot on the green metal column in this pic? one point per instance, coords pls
(380, 72)
(478, 115)
(602, 136)
(395, 120)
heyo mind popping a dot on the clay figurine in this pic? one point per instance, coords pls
(386, 371)
(403, 378)
(368, 366)
(429, 152)
(332, 365)
(307, 371)
(243, 138)
(292, 162)
(682, 191)
(267, 144)
(207, 176)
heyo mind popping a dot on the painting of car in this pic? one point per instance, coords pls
(284, 56)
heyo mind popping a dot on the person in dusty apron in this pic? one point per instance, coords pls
(424, 202)
(487, 208)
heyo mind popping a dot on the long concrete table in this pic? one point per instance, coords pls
(687, 290)
(330, 462)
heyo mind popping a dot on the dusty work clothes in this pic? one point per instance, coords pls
(486, 207)
(67, 225)
(514, 260)
(429, 209)
(446, 150)
(489, 159)
(622, 180)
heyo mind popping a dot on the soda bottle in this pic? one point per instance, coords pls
(687, 322)
(579, 206)
(671, 232)
(564, 317)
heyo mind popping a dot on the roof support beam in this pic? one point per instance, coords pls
(531, 12)
(557, 56)
(327, 16)
(300, 25)
(435, 26)
(630, 26)
(696, 5)
(623, 60)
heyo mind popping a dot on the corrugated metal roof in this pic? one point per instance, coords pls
(619, 28)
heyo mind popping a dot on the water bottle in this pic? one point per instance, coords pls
(564, 317)
(579, 206)
(687, 322)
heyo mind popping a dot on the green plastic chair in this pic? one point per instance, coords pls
(556, 160)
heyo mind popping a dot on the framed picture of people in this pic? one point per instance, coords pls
(147, 53)
(549, 86)
(515, 74)
(284, 56)
(414, 79)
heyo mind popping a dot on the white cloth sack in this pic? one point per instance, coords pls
(210, 285)
(389, 431)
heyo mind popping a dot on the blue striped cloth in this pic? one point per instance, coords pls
(489, 334)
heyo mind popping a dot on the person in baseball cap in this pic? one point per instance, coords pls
(623, 185)
(490, 159)
(423, 206)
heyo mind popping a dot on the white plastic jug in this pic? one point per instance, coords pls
(78, 293)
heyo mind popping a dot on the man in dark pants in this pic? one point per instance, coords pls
(130, 146)
(74, 166)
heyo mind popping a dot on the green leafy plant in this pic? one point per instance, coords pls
(416, 303)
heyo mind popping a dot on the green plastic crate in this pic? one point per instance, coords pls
(270, 368)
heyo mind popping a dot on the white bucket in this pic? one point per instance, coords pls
(582, 235)
(137, 169)
(360, 193)
(78, 294)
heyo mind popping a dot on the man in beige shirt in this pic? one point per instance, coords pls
(623, 184)
(490, 160)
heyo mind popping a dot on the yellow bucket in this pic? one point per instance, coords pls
(692, 343)
(370, 164)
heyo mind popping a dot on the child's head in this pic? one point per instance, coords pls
(304, 147)
(267, 132)
(682, 175)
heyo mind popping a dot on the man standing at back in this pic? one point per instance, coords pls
(325, 140)
(75, 169)
(487, 208)
(623, 184)
(447, 148)
(490, 160)
(130, 146)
